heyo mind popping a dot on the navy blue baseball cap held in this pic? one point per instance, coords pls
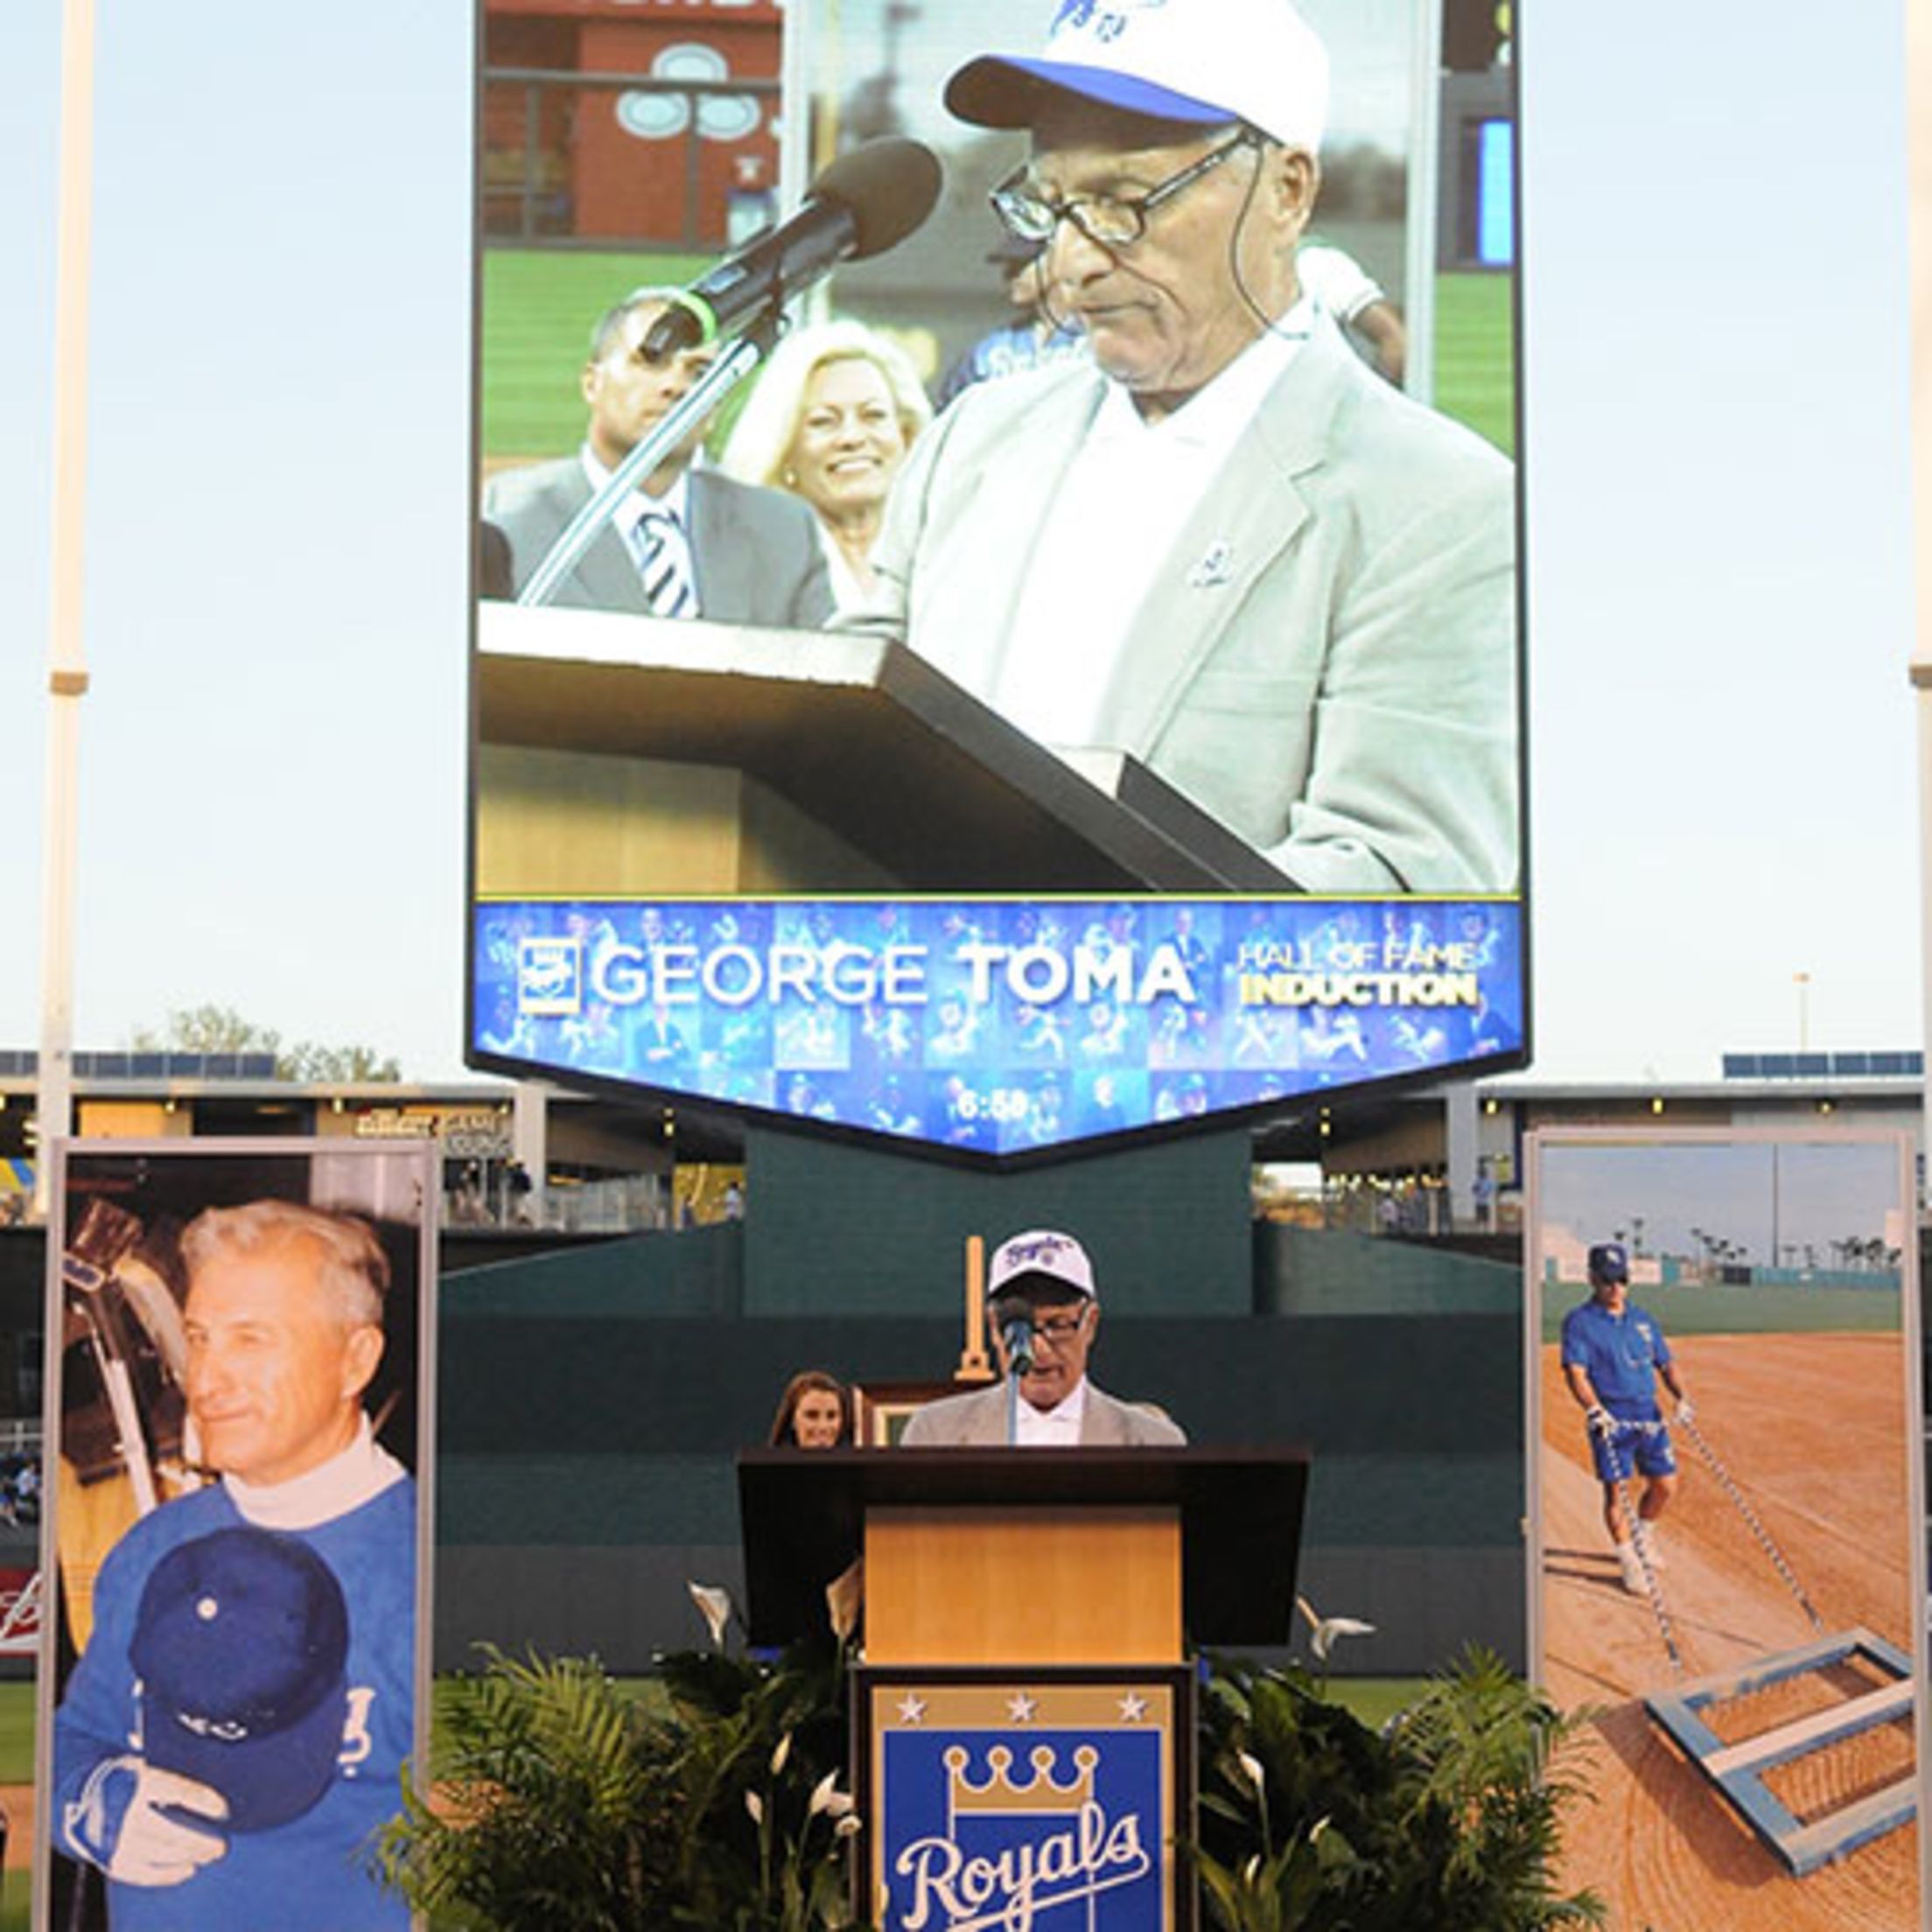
(1608, 1262)
(241, 1644)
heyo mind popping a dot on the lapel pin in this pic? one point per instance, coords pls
(1216, 566)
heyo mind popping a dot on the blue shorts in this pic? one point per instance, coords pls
(1640, 1447)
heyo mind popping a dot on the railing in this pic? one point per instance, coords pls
(625, 1204)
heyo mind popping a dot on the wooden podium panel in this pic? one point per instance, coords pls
(1081, 1584)
(1227, 1523)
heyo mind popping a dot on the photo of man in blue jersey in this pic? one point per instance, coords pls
(232, 1736)
(1613, 1354)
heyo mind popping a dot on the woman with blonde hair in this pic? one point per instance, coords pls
(831, 418)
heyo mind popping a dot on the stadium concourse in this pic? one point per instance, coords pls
(1448, 1157)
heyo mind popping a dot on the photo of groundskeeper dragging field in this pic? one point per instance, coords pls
(1726, 1506)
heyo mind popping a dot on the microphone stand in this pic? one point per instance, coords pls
(737, 359)
(1018, 1363)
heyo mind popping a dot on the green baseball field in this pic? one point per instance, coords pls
(538, 308)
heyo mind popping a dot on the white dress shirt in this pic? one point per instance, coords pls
(1128, 489)
(1054, 1428)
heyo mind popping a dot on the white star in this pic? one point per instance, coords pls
(912, 1709)
(1132, 1709)
(1020, 1708)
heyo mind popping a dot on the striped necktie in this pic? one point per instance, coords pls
(665, 561)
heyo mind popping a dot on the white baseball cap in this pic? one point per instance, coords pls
(1209, 61)
(1043, 1256)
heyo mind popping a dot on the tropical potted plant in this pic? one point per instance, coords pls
(1449, 1817)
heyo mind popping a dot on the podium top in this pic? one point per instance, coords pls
(803, 1513)
(863, 737)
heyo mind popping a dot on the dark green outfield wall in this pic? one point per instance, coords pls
(592, 1401)
(841, 1229)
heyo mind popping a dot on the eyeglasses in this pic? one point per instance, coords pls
(1110, 221)
(1058, 1329)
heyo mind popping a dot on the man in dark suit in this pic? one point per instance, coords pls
(684, 543)
(1043, 1279)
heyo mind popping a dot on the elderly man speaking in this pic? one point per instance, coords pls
(1218, 544)
(1040, 1283)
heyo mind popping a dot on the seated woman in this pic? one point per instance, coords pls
(830, 420)
(815, 1412)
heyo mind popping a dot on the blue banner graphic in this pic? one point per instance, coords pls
(1040, 1806)
(997, 1025)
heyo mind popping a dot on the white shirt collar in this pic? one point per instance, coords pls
(346, 1481)
(1059, 1426)
(1215, 416)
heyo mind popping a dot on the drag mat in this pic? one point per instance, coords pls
(1812, 1428)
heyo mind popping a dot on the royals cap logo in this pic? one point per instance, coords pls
(549, 977)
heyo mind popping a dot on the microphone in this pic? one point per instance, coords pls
(1017, 1334)
(867, 201)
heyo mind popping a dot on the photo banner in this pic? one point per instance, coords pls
(1726, 1480)
(238, 1544)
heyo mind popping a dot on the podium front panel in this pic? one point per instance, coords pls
(1023, 1584)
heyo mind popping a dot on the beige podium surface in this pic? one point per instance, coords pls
(660, 757)
(1024, 1583)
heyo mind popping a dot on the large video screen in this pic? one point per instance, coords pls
(1071, 683)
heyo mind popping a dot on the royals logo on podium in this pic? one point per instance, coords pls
(1037, 1807)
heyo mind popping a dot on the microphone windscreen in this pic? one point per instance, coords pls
(888, 188)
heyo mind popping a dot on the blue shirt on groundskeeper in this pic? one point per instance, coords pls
(1621, 1354)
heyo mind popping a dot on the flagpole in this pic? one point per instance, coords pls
(66, 655)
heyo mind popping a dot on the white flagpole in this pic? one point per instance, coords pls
(66, 656)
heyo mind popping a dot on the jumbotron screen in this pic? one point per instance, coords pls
(1010, 653)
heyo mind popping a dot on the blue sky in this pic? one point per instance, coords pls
(1720, 598)
(1753, 1195)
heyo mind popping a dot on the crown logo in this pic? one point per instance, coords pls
(1041, 1796)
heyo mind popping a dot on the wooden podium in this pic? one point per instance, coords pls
(1026, 1556)
(628, 755)
(1026, 1584)
(1023, 1721)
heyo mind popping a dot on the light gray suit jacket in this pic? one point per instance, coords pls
(756, 552)
(1326, 661)
(978, 1421)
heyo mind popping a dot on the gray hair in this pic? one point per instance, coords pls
(355, 1271)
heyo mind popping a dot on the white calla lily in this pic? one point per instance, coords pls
(715, 1604)
(1326, 1630)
